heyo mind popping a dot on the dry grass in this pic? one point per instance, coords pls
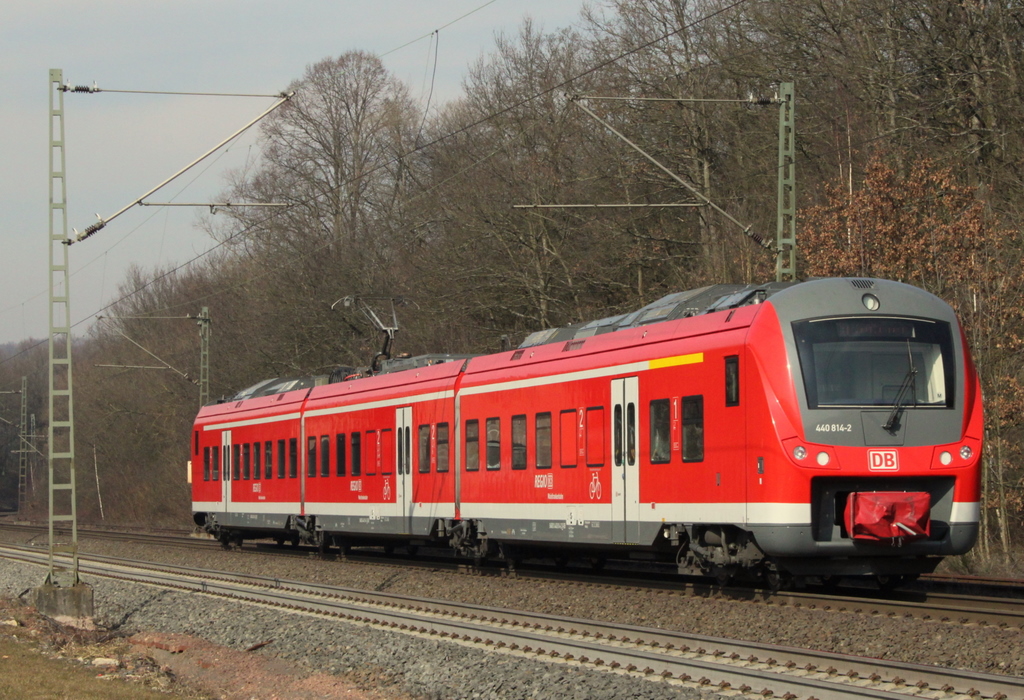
(41, 660)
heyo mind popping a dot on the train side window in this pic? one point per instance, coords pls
(257, 464)
(236, 468)
(311, 456)
(293, 458)
(325, 455)
(617, 434)
(215, 462)
(567, 438)
(732, 380)
(519, 442)
(472, 445)
(357, 454)
(195, 447)
(423, 453)
(372, 453)
(268, 462)
(206, 464)
(280, 459)
(407, 440)
(661, 431)
(245, 461)
(542, 428)
(340, 440)
(387, 451)
(631, 434)
(595, 436)
(693, 428)
(494, 443)
(442, 448)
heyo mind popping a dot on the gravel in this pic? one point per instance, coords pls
(433, 669)
(373, 658)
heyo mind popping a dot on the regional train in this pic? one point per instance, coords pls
(814, 430)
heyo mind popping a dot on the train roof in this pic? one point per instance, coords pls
(694, 302)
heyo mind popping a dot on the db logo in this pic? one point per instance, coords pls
(883, 460)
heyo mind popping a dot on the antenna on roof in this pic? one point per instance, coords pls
(371, 315)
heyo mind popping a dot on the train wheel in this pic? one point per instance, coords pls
(561, 562)
(597, 563)
(412, 550)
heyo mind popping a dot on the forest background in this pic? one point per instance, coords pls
(910, 166)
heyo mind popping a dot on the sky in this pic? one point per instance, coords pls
(119, 146)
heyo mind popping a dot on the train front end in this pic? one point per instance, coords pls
(874, 407)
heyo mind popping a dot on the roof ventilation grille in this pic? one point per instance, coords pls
(863, 284)
(573, 345)
(517, 354)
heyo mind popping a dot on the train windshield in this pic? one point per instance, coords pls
(872, 361)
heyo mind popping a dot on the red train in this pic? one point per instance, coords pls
(819, 429)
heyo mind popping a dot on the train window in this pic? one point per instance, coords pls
(373, 453)
(257, 453)
(245, 461)
(357, 454)
(595, 436)
(195, 447)
(519, 442)
(472, 445)
(693, 428)
(268, 462)
(236, 468)
(325, 455)
(293, 458)
(494, 443)
(617, 435)
(423, 454)
(542, 429)
(215, 462)
(387, 452)
(876, 361)
(407, 440)
(732, 380)
(280, 459)
(340, 440)
(311, 456)
(206, 464)
(661, 432)
(567, 438)
(442, 448)
(631, 434)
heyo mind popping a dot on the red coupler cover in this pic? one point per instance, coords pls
(887, 515)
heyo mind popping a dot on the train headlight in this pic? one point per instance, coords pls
(870, 302)
(823, 458)
(799, 452)
(945, 458)
(966, 452)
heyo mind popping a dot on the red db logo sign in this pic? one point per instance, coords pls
(883, 460)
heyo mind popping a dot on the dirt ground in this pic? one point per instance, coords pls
(45, 658)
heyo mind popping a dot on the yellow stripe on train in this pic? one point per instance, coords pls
(691, 359)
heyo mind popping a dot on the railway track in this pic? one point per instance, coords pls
(740, 668)
(998, 604)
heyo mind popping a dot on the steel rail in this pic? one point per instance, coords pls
(938, 606)
(726, 664)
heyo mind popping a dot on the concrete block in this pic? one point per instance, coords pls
(73, 601)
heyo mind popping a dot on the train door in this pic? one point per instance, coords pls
(625, 468)
(225, 471)
(403, 468)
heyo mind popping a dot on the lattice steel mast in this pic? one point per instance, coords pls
(61, 430)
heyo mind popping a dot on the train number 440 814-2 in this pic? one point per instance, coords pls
(833, 428)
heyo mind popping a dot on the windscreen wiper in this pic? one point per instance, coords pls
(893, 423)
